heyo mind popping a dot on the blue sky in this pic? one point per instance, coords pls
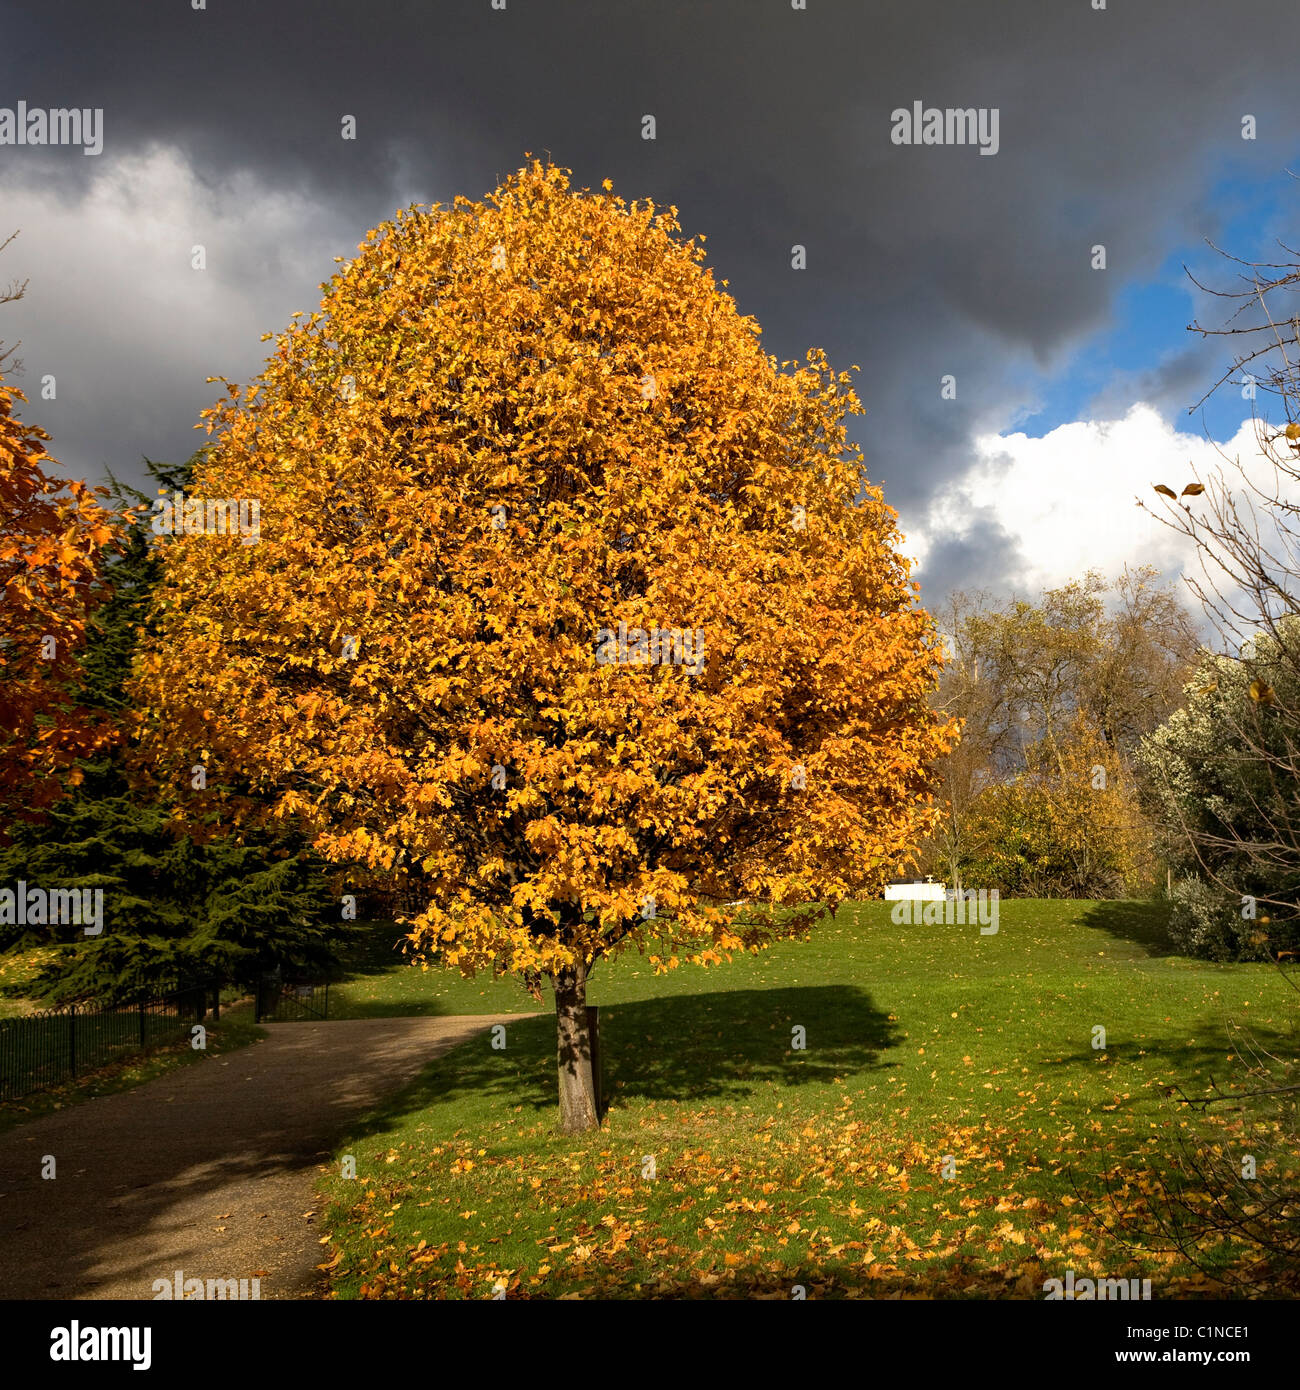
(1148, 328)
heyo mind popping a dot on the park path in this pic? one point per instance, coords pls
(208, 1169)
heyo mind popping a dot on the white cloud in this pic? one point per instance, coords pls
(115, 311)
(1069, 497)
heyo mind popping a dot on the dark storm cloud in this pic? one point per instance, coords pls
(985, 557)
(773, 129)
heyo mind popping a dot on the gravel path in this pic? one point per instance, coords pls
(209, 1169)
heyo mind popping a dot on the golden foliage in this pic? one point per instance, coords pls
(1068, 826)
(510, 425)
(53, 538)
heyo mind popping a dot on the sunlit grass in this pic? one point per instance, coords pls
(822, 1167)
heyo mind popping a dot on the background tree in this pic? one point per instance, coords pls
(1068, 825)
(1114, 653)
(54, 536)
(1224, 773)
(511, 427)
(178, 906)
(1047, 691)
(989, 743)
(1229, 811)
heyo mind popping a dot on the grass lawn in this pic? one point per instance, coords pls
(17, 970)
(732, 1164)
(380, 984)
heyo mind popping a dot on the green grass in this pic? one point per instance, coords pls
(381, 983)
(17, 971)
(775, 1166)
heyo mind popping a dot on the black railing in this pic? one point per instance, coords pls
(291, 999)
(43, 1049)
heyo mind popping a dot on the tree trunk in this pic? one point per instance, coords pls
(577, 1094)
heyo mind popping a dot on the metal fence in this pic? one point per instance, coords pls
(291, 999)
(42, 1049)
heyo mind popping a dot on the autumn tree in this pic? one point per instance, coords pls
(1046, 691)
(568, 600)
(1068, 824)
(54, 535)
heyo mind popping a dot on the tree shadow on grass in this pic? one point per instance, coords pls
(720, 1046)
(1194, 1053)
(1145, 924)
(688, 1047)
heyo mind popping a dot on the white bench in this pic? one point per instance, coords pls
(928, 891)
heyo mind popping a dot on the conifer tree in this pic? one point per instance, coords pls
(179, 905)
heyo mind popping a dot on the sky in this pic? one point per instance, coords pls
(1070, 385)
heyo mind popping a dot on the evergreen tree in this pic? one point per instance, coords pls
(178, 905)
